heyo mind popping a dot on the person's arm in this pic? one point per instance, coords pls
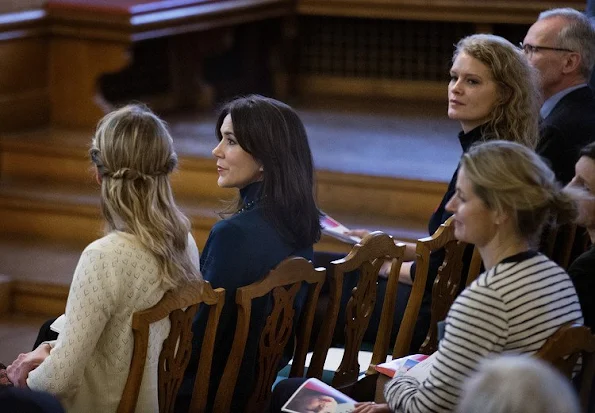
(19, 370)
(476, 327)
(91, 301)
(192, 250)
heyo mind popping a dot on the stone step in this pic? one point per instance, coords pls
(60, 158)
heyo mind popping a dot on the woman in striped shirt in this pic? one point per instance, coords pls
(504, 195)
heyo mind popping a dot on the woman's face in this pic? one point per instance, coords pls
(584, 178)
(236, 167)
(474, 222)
(472, 92)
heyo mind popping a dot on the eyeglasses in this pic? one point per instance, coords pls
(529, 49)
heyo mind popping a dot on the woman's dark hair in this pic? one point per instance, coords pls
(275, 136)
(588, 151)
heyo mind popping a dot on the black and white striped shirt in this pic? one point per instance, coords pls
(512, 308)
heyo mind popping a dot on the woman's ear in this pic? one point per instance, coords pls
(501, 217)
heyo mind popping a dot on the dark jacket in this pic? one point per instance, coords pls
(240, 250)
(439, 216)
(568, 128)
(582, 273)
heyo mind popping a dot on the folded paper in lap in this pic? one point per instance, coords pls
(335, 229)
(317, 396)
(398, 367)
(58, 324)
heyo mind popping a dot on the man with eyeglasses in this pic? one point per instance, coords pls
(561, 46)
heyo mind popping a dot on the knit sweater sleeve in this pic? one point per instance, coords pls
(476, 327)
(91, 302)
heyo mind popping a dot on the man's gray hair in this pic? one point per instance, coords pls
(578, 35)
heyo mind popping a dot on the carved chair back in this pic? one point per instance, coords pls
(563, 350)
(283, 283)
(180, 305)
(448, 280)
(367, 257)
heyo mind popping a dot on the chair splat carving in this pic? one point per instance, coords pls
(180, 306)
(367, 257)
(274, 338)
(284, 283)
(447, 283)
(563, 350)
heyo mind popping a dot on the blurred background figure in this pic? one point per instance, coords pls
(517, 384)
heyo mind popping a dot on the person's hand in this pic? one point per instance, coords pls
(19, 370)
(385, 269)
(358, 233)
(371, 407)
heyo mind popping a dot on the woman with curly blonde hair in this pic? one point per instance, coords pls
(147, 250)
(494, 94)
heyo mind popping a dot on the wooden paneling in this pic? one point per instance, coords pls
(8, 6)
(376, 196)
(472, 11)
(313, 85)
(5, 294)
(75, 68)
(24, 95)
(39, 298)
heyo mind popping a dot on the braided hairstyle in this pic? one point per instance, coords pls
(134, 155)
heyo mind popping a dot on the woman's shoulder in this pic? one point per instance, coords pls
(243, 225)
(115, 240)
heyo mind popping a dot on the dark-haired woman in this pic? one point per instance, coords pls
(263, 151)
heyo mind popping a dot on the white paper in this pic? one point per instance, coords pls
(421, 371)
(58, 324)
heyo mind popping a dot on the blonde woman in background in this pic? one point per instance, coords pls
(505, 194)
(147, 250)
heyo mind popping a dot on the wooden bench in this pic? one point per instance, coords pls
(90, 38)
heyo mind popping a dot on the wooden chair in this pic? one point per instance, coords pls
(563, 350)
(283, 282)
(557, 243)
(448, 280)
(367, 257)
(180, 306)
(474, 267)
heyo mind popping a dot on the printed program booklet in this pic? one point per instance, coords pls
(401, 366)
(317, 396)
(335, 229)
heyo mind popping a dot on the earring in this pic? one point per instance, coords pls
(261, 169)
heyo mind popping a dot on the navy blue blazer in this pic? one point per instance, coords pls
(240, 250)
